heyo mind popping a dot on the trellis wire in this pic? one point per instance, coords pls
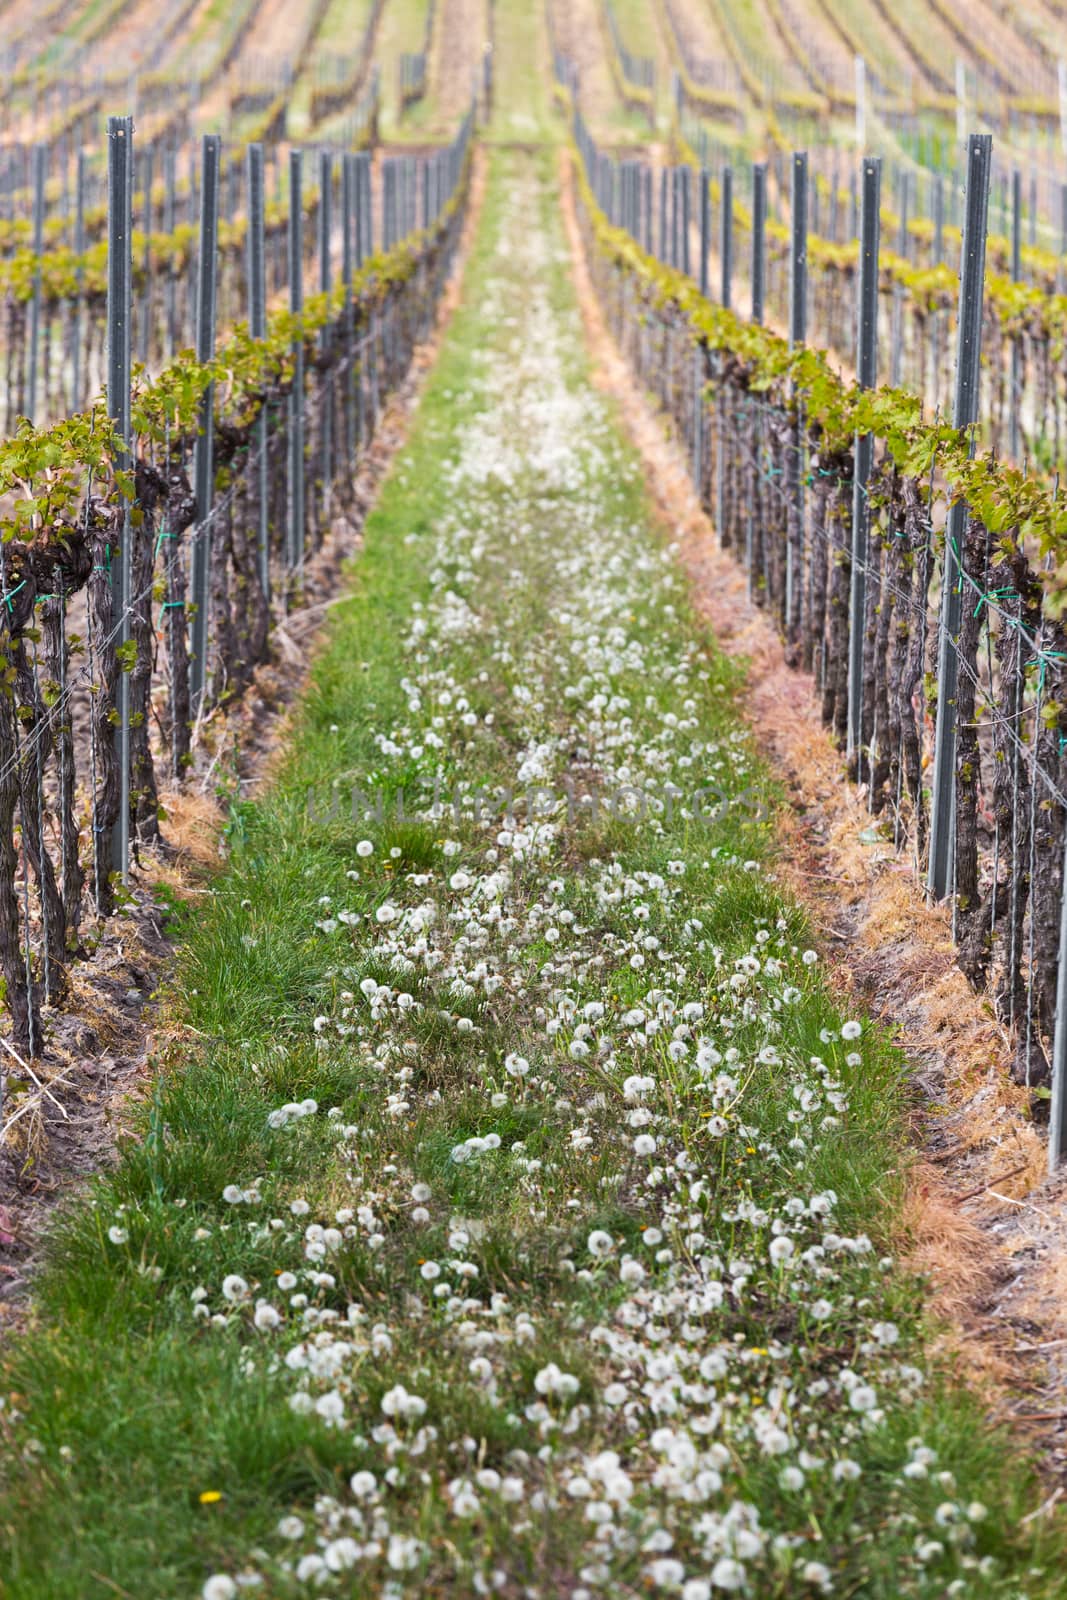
(364, 349)
(981, 613)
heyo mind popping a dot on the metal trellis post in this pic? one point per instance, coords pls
(798, 255)
(325, 284)
(686, 213)
(119, 275)
(40, 170)
(867, 375)
(964, 415)
(257, 326)
(1057, 1132)
(296, 396)
(664, 251)
(348, 186)
(726, 236)
(705, 224)
(146, 299)
(759, 239)
(207, 271)
(79, 274)
(798, 322)
(1016, 348)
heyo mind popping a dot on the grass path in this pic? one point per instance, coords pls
(518, 1218)
(403, 27)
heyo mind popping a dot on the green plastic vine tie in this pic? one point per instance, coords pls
(163, 534)
(1003, 593)
(1044, 657)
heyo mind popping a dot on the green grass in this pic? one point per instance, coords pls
(341, 31)
(402, 28)
(641, 35)
(861, 16)
(343, 25)
(123, 1410)
(640, 31)
(87, 16)
(211, 22)
(522, 69)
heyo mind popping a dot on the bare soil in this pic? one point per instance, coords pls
(578, 31)
(796, 73)
(883, 50)
(1021, 60)
(828, 50)
(696, 25)
(461, 37)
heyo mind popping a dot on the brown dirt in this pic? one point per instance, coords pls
(697, 26)
(277, 39)
(828, 50)
(866, 23)
(651, 40)
(271, 45)
(1041, 24)
(122, 48)
(981, 1218)
(796, 73)
(25, 27)
(937, 59)
(578, 32)
(105, 1046)
(460, 39)
(1013, 48)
